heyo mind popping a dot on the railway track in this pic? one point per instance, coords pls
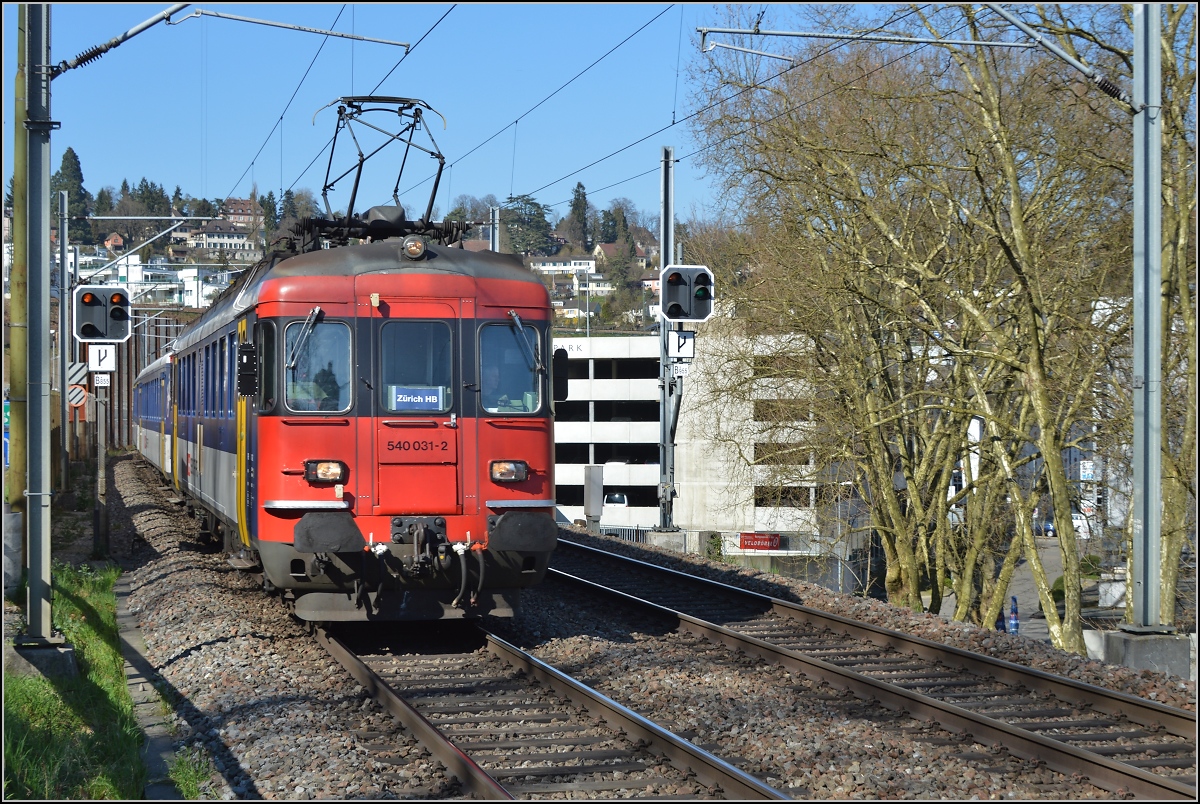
(507, 725)
(1119, 742)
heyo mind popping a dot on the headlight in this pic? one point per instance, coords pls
(509, 471)
(414, 247)
(325, 471)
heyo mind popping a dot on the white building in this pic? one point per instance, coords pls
(611, 418)
(200, 284)
(232, 239)
(553, 267)
(591, 285)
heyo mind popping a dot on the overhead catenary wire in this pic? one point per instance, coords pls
(288, 105)
(678, 55)
(737, 134)
(698, 112)
(512, 177)
(376, 89)
(572, 80)
(801, 105)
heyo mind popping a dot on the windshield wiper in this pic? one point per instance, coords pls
(310, 324)
(534, 360)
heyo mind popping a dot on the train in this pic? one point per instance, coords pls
(365, 419)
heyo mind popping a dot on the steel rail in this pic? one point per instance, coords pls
(709, 768)
(1144, 712)
(1106, 773)
(465, 769)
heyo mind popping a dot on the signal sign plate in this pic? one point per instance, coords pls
(101, 380)
(76, 396)
(77, 373)
(102, 357)
(681, 344)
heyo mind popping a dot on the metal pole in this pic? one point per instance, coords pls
(1147, 316)
(18, 329)
(666, 382)
(37, 439)
(64, 339)
(100, 508)
(76, 424)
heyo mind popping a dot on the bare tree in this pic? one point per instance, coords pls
(942, 227)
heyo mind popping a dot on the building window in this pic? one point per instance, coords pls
(785, 454)
(781, 410)
(783, 496)
(571, 453)
(772, 366)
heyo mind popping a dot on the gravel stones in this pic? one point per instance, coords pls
(278, 718)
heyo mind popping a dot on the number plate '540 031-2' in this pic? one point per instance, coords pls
(430, 446)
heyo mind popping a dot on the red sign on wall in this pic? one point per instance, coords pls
(759, 541)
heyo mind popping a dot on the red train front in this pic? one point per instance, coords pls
(366, 414)
(399, 462)
(371, 425)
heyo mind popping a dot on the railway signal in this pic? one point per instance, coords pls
(687, 293)
(102, 314)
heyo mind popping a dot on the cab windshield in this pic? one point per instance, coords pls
(508, 368)
(417, 367)
(317, 367)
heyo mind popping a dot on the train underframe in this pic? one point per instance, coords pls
(330, 573)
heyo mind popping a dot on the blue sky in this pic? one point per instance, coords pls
(194, 103)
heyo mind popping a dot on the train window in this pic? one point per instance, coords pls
(219, 371)
(417, 366)
(206, 389)
(230, 373)
(508, 376)
(318, 374)
(266, 366)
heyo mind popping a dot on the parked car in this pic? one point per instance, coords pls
(616, 498)
(1048, 529)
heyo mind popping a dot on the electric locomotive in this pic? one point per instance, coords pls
(369, 425)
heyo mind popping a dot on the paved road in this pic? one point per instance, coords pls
(1021, 584)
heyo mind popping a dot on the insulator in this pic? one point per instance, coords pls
(1109, 88)
(89, 55)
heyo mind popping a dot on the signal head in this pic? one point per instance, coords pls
(687, 293)
(101, 314)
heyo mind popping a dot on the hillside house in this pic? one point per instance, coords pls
(605, 251)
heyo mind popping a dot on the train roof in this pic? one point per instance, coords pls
(384, 257)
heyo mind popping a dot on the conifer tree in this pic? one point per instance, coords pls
(69, 177)
(577, 223)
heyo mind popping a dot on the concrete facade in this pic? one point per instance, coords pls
(611, 418)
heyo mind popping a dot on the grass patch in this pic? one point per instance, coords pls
(191, 769)
(75, 738)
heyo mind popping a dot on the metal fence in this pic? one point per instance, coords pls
(636, 534)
